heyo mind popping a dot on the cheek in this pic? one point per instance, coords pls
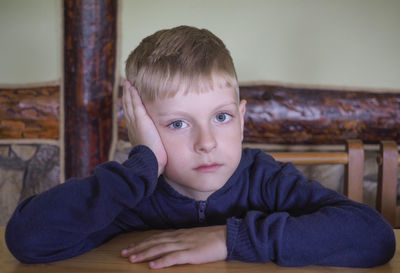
(175, 146)
(234, 133)
(231, 141)
(177, 158)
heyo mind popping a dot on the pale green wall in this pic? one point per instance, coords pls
(30, 41)
(329, 42)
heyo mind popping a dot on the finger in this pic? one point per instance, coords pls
(155, 252)
(147, 244)
(135, 95)
(131, 136)
(126, 83)
(173, 258)
(125, 253)
(165, 237)
(166, 234)
(125, 89)
(138, 106)
(128, 251)
(127, 105)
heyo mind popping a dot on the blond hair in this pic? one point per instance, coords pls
(181, 58)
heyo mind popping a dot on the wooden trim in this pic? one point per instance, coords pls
(9, 141)
(311, 158)
(29, 85)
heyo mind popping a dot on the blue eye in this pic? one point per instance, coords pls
(178, 124)
(222, 117)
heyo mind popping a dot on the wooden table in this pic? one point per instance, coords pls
(106, 258)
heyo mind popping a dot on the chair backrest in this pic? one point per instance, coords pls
(352, 158)
(386, 199)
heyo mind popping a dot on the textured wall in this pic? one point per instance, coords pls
(25, 170)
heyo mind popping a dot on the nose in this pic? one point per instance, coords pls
(205, 141)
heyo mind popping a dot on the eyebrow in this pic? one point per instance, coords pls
(163, 114)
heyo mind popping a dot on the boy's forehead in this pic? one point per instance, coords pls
(179, 83)
(192, 99)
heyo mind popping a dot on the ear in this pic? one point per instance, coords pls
(242, 111)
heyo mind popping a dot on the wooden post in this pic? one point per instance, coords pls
(354, 171)
(90, 31)
(386, 197)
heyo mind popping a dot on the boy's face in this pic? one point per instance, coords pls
(202, 135)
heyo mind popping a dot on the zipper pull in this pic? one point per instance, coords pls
(201, 210)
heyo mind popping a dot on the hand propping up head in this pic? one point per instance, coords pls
(141, 128)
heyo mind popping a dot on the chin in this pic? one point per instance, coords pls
(209, 187)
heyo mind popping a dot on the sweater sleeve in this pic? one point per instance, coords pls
(78, 215)
(307, 224)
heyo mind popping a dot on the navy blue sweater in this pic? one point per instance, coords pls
(271, 211)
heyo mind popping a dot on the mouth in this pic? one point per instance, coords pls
(208, 168)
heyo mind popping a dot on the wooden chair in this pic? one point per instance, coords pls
(386, 199)
(352, 158)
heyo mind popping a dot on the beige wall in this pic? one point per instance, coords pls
(343, 42)
(30, 41)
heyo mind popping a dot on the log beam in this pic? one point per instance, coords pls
(30, 112)
(90, 28)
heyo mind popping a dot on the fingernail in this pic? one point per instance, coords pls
(126, 84)
(132, 258)
(124, 251)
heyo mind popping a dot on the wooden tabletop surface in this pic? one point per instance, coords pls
(106, 258)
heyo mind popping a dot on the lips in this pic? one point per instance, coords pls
(208, 168)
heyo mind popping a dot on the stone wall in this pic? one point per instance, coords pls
(25, 170)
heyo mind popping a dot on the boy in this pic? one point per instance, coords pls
(188, 171)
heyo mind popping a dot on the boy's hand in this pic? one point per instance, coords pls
(193, 246)
(141, 128)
